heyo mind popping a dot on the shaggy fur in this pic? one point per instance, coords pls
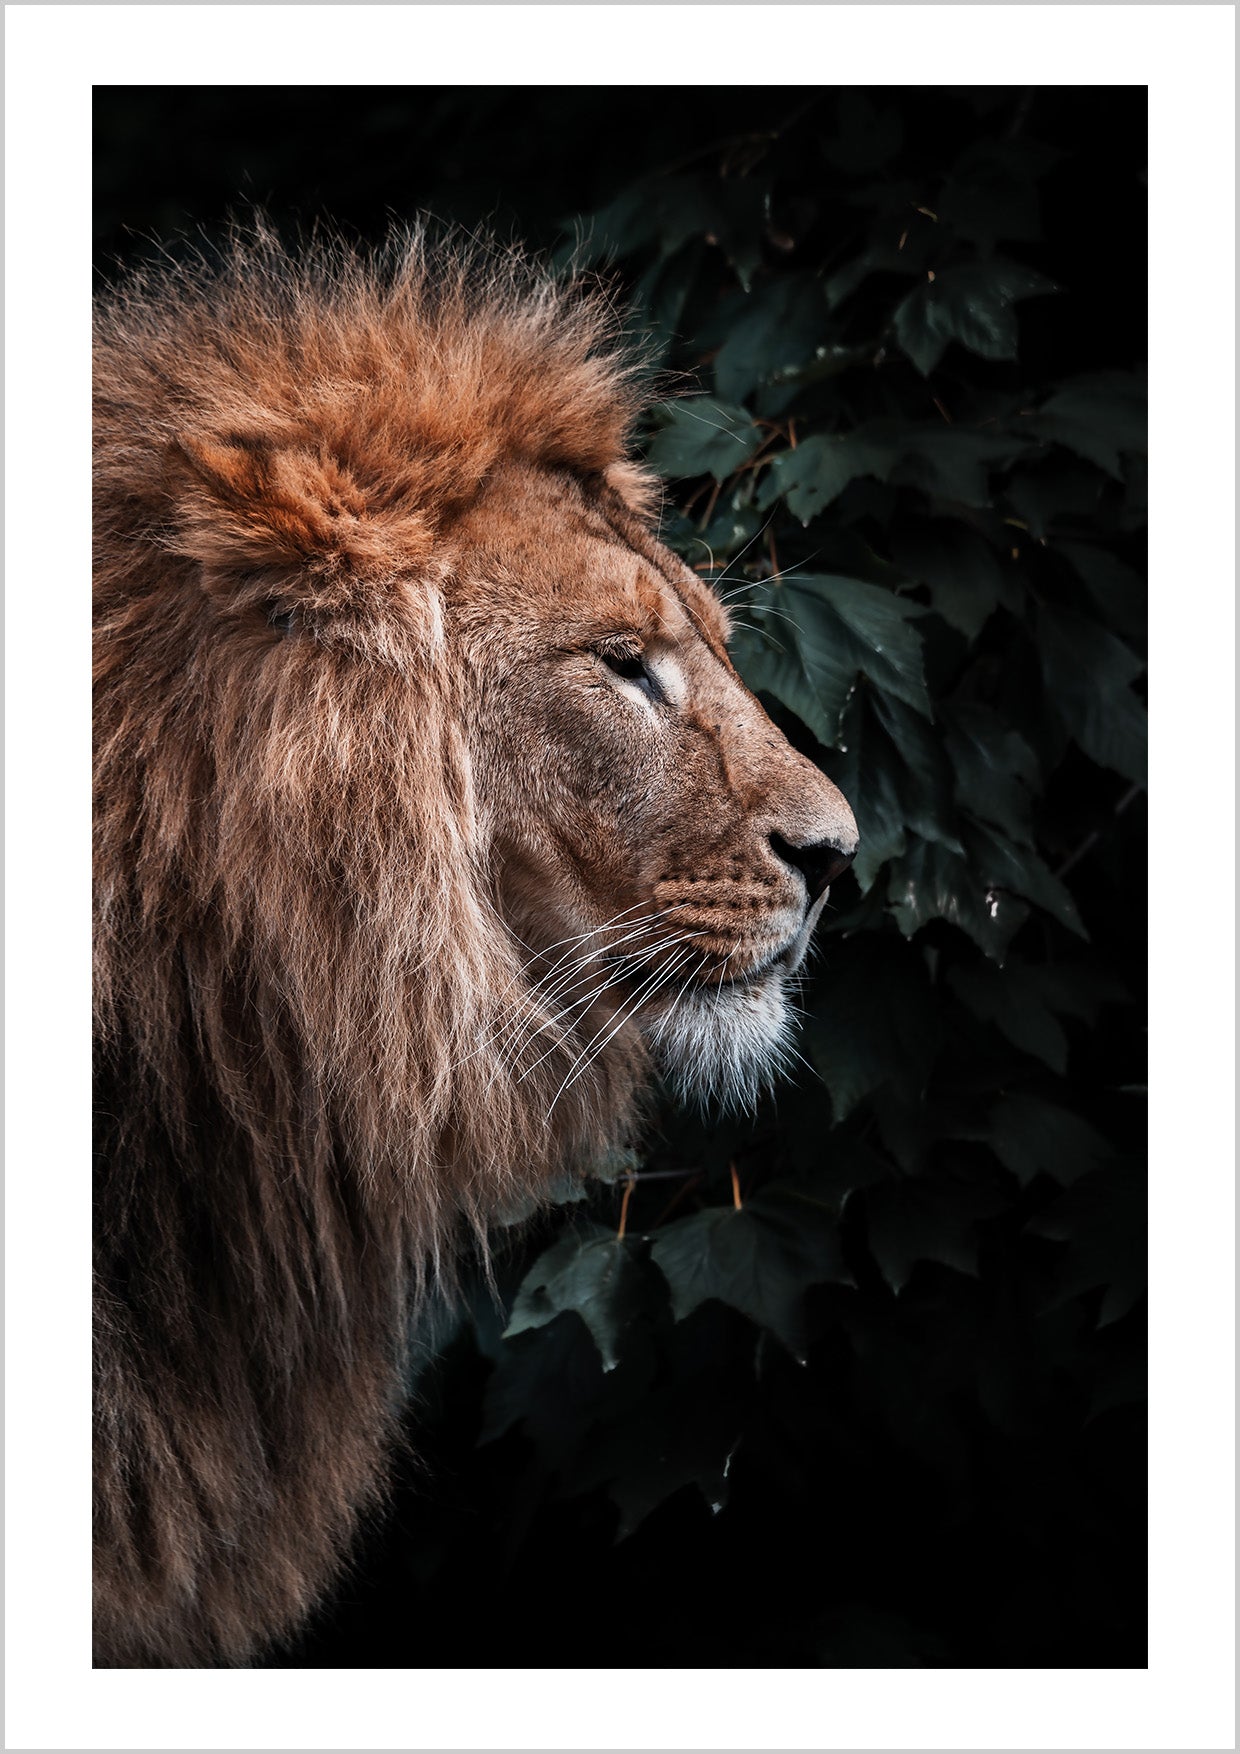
(404, 872)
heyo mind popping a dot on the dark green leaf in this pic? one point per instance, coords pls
(760, 1260)
(930, 882)
(1076, 989)
(1089, 675)
(737, 220)
(783, 326)
(701, 436)
(996, 772)
(818, 470)
(685, 1432)
(1003, 865)
(641, 1475)
(731, 531)
(950, 462)
(879, 258)
(816, 634)
(550, 1382)
(1102, 1224)
(1117, 592)
(1031, 1136)
(989, 201)
(830, 1166)
(891, 767)
(964, 577)
(591, 1271)
(971, 305)
(662, 291)
(1007, 999)
(1049, 497)
(1025, 1000)
(945, 462)
(1100, 418)
(663, 211)
(924, 1219)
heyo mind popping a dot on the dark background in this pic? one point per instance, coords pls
(887, 1411)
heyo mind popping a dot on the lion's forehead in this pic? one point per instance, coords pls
(569, 570)
(678, 622)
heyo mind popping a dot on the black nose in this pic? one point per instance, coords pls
(820, 863)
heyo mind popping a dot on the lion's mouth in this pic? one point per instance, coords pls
(779, 961)
(789, 956)
(711, 975)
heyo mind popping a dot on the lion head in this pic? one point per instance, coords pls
(660, 847)
(432, 819)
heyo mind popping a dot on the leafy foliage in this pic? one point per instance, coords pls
(891, 1326)
(934, 565)
(935, 568)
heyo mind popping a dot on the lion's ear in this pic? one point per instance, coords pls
(248, 503)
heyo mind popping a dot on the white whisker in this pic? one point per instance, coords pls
(741, 553)
(545, 995)
(585, 1004)
(587, 1057)
(509, 1016)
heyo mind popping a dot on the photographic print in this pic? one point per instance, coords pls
(620, 876)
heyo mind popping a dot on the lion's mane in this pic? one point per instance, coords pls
(300, 975)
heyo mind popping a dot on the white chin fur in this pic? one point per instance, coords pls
(722, 1048)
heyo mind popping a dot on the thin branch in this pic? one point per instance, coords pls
(710, 505)
(694, 1177)
(1095, 834)
(624, 1208)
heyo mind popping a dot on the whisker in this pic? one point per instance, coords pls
(762, 634)
(765, 609)
(591, 997)
(783, 577)
(544, 995)
(587, 1057)
(510, 1015)
(661, 1025)
(740, 555)
(684, 404)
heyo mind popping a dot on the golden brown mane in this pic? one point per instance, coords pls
(431, 816)
(300, 973)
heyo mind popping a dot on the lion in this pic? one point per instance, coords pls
(432, 822)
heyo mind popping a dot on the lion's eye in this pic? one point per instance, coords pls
(625, 664)
(633, 669)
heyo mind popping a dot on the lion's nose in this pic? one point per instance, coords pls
(820, 862)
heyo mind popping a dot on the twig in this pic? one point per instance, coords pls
(1095, 834)
(662, 1175)
(736, 1187)
(624, 1209)
(710, 505)
(677, 1197)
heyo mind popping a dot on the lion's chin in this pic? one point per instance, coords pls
(720, 1048)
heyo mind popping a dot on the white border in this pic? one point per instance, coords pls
(1186, 54)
